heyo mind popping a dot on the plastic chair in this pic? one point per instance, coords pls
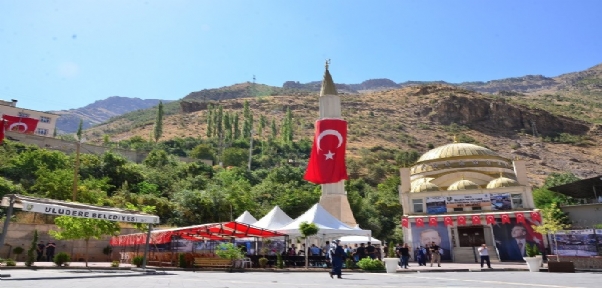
(246, 261)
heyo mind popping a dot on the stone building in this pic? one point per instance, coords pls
(46, 121)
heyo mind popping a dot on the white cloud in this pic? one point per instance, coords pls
(68, 70)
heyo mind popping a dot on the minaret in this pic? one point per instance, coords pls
(334, 198)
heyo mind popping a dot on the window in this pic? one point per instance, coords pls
(458, 209)
(24, 115)
(517, 201)
(44, 119)
(477, 208)
(418, 207)
(41, 131)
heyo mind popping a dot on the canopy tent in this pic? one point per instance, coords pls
(329, 225)
(274, 220)
(358, 240)
(212, 231)
(246, 218)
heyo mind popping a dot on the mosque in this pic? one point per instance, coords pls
(461, 196)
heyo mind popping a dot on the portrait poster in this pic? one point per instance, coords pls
(472, 200)
(428, 234)
(436, 205)
(511, 239)
(576, 243)
(501, 201)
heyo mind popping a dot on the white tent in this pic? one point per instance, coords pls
(246, 218)
(359, 240)
(329, 226)
(274, 220)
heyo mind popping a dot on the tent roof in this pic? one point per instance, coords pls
(358, 240)
(211, 231)
(275, 219)
(246, 217)
(328, 224)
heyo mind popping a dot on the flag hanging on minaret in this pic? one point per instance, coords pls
(1, 130)
(327, 159)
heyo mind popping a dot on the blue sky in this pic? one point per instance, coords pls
(67, 54)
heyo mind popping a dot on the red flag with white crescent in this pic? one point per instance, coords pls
(405, 223)
(2, 129)
(490, 219)
(327, 159)
(448, 221)
(419, 222)
(462, 220)
(520, 217)
(433, 221)
(21, 124)
(476, 220)
(535, 216)
(505, 219)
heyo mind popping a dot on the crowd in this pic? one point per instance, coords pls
(49, 248)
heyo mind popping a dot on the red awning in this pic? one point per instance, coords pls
(212, 231)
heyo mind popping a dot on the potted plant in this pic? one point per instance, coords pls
(230, 252)
(532, 261)
(138, 261)
(263, 262)
(391, 260)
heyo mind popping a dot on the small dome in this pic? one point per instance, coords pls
(502, 182)
(463, 185)
(420, 181)
(456, 150)
(424, 187)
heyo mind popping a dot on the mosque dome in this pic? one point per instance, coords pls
(456, 150)
(502, 182)
(424, 187)
(463, 185)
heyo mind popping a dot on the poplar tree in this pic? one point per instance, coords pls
(219, 127)
(262, 123)
(248, 124)
(274, 129)
(158, 130)
(236, 127)
(209, 121)
(228, 127)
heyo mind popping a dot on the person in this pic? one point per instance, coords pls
(515, 248)
(484, 253)
(405, 255)
(40, 250)
(314, 250)
(421, 256)
(427, 255)
(378, 252)
(371, 251)
(361, 252)
(337, 256)
(325, 250)
(50, 251)
(429, 236)
(354, 254)
(435, 254)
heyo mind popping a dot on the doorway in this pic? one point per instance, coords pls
(471, 236)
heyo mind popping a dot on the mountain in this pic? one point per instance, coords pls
(100, 111)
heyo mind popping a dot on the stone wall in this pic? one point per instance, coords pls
(581, 262)
(22, 234)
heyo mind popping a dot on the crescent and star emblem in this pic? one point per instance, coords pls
(324, 133)
(12, 126)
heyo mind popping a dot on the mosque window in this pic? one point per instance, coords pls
(475, 162)
(488, 162)
(458, 209)
(447, 163)
(477, 208)
(517, 201)
(461, 163)
(418, 205)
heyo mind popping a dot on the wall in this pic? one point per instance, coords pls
(586, 215)
(580, 262)
(22, 234)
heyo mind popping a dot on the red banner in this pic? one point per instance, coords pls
(21, 124)
(520, 217)
(505, 219)
(476, 220)
(405, 222)
(490, 219)
(1, 130)
(448, 221)
(327, 159)
(461, 220)
(535, 216)
(433, 221)
(419, 222)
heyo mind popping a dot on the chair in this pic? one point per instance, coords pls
(246, 261)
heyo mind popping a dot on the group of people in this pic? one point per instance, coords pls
(430, 252)
(49, 248)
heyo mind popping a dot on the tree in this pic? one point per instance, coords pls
(236, 127)
(307, 230)
(72, 228)
(203, 151)
(234, 156)
(287, 127)
(263, 122)
(158, 130)
(32, 248)
(209, 121)
(230, 252)
(79, 130)
(248, 124)
(551, 224)
(274, 129)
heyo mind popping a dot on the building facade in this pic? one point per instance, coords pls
(461, 196)
(46, 121)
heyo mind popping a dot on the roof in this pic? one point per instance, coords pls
(502, 182)
(211, 231)
(328, 87)
(246, 217)
(275, 219)
(453, 150)
(581, 189)
(463, 185)
(327, 224)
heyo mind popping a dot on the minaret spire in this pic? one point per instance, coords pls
(328, 87)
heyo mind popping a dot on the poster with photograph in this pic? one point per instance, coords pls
(427, 235)
(436, 205)
(501, 201)
(472, 200)
(576, 243)
(512, 239)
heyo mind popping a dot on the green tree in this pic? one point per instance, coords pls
(158, 129)
(248, 123)
(72, 228)
(203, 151)
(32, 248)
(227, 128)
(233, 156)
(236, 127)
(219, 126)
(274, 129)
(551, 224)
(79, 130)
(263, 122)
(209, 121)
(230, 252)
(287, 127)
(308, 230)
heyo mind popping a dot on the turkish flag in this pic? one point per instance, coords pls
(490, 219)
(419, 222)
(462, 220)
(433, 221)
(476, 220)
(520, 217)
(327, 159)
(448, 221)
(535, 216)
(405, 223)
(505, 219)
(1, 130)
(21, 124)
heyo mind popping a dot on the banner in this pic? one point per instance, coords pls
(21, 124)
(425, 236)
(327, 158)
(512, 240)
(59, 210)
(436, 205)
(501, 201)
(473, 200)
(576, 243)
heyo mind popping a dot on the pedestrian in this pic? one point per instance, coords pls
(484, 253)
(50, 251)
(435, 254)
(40, 250)
(325, 250)
(421, 256)
(405, 255)
(337, 257)
(371, 251)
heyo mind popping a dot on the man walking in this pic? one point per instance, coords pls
(40, 250)
(50, 251)
(484, 253)
(435, 254)
(337, 256)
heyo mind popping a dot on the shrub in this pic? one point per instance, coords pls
(263, 262)
(532, 250)
(30, 253)
(18, 251)
(138, 261)
(279, 262)
(182, 261)
(10, 262)
(61, 259)
(115, 264)
(371, 265)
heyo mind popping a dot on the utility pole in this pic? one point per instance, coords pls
(76, 170)
(251, 150)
